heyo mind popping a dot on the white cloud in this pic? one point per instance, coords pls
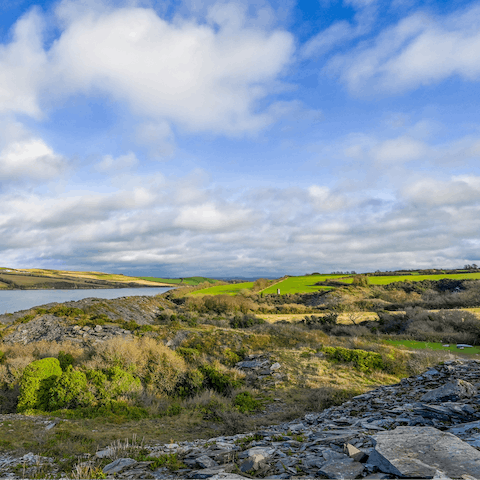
(460, 190)
(419, 50)
(324, 200)
(30, 158)
(198, 76)
(114, 165)
(342, 31)
(209, 216)
(22, 67)
(401, 149)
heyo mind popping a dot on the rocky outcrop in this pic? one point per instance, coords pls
(389, 432)
(142, 310)
(52, 329)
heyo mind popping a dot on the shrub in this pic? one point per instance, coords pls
(69, 390)
(121, 382)
(221, 382)
(190, 384)
(31, 382)
(65, 359)
(65, 311)
(245, 402)
(189, 354)
(245, 321)
(361, 359)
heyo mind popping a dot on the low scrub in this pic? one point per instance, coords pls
(361, 359)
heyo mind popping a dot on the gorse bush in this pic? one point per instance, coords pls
(246, 402)
(361, 359)
(221, 382)
(33, 382)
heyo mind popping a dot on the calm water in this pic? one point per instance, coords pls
(14, 300)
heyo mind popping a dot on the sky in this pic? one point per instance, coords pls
(252, 138)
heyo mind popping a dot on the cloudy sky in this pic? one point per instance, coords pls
(250, 138)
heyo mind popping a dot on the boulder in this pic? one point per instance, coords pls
(344, 468)
(450, 392)
(421, 451)
(118, 465)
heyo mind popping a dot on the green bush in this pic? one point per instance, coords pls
(361, 359)
(98, 382)
(189, 354)
(65, 311)
(190, 384)
(245, 402)
(121, 382)
(32, 380)
(218, 381)
(69, 390)
(65, 359)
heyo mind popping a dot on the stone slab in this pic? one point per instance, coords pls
(421, 451)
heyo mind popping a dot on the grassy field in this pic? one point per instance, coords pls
(418, 278)
(434, 346)
(43, 278)
(231, 289)
(303, 284)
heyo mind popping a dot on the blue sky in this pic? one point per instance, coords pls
(247, 138)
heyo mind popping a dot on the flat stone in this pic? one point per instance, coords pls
(451, 391)
(421, 451)
(108, 452)
(118, 465)
(342, 468)
(206, 462)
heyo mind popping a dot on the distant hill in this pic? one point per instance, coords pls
(37, 278)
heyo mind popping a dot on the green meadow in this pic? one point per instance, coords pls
(304, 284)
(230, 289)
(413, 344)
(385, 280)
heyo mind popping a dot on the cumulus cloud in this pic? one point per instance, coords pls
(23, 64)
(201, 76)
(31, 158)
(420, 50)
(209, 216)
(459, 190)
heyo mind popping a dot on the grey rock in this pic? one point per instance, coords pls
(253, 462)
(420, 451)
(118, 465)
(451, 391)
(206, 462)
(342, 468)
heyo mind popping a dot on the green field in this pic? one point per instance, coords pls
(186, 281)
(418, 278)
(433, 346)
(303, 284)
(231, 289)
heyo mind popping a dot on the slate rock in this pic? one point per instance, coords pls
(118, 465)
(345, 468)
(421, 451)
(451, 391)
(205, 461)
